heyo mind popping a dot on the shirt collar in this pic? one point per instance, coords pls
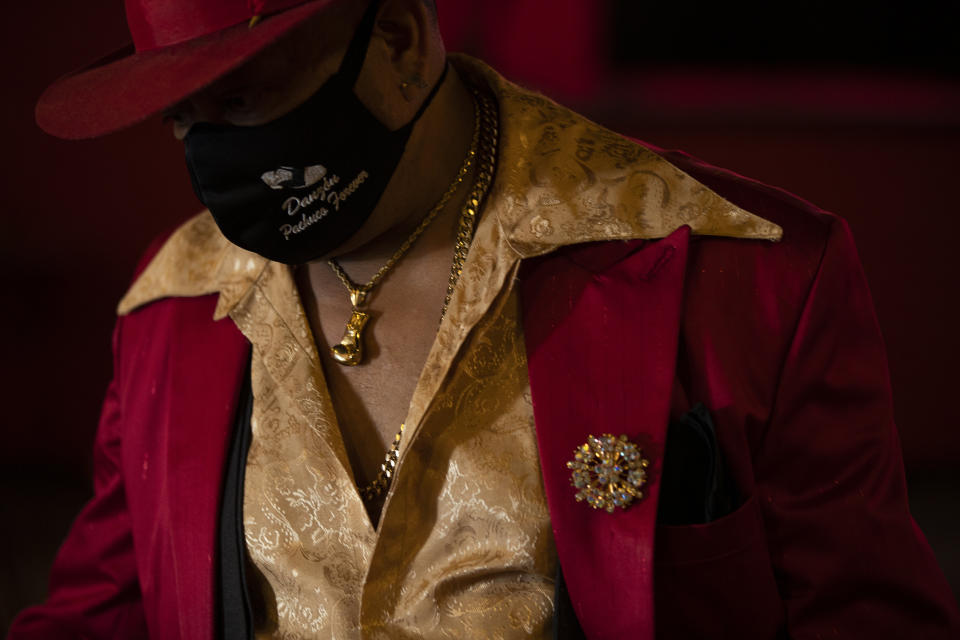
(561, 179)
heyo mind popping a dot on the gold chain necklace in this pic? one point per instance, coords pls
(349, 351)
(485, 122)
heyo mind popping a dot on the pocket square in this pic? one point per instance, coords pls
(695, 486)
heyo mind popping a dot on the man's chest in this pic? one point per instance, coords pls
(372, 399)
(464, 517)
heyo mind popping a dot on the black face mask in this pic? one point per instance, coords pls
(296, 188)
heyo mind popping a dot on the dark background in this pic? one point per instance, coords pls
(854, 106)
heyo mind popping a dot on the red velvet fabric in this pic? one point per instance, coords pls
(778, 340)
(586, 323)
(139, 559)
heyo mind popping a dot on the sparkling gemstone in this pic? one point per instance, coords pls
(607, 472)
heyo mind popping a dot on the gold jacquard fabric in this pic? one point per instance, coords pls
(464, 547)
(464, 542)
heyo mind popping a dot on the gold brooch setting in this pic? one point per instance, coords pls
(608, 472)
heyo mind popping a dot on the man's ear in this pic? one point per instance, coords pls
(406, 28)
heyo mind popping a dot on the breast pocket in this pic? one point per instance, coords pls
(715, 580)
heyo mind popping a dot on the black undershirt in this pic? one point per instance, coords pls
(236, 614)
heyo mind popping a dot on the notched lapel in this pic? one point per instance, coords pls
(598, 257)
(601, 327)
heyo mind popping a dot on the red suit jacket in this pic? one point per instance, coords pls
(778, 340)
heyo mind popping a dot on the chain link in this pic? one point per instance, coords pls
(481, 183)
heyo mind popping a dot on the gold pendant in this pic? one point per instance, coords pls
(350, 350)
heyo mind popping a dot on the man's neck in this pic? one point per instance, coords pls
(429, 165)
(371, 400)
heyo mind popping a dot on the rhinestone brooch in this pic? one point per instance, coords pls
(608, 472)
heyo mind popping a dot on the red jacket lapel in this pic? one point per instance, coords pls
(601, 325)
(180, 397)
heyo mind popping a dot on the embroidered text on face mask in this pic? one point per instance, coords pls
(323, 193)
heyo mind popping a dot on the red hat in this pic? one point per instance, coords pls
(179, 47)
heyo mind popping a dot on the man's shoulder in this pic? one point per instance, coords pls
(192, 260)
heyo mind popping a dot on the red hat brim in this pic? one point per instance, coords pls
(128, 87)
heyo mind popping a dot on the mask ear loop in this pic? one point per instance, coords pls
(356, 54)
(429, 98)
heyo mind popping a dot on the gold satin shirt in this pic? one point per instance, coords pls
(465, 547)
